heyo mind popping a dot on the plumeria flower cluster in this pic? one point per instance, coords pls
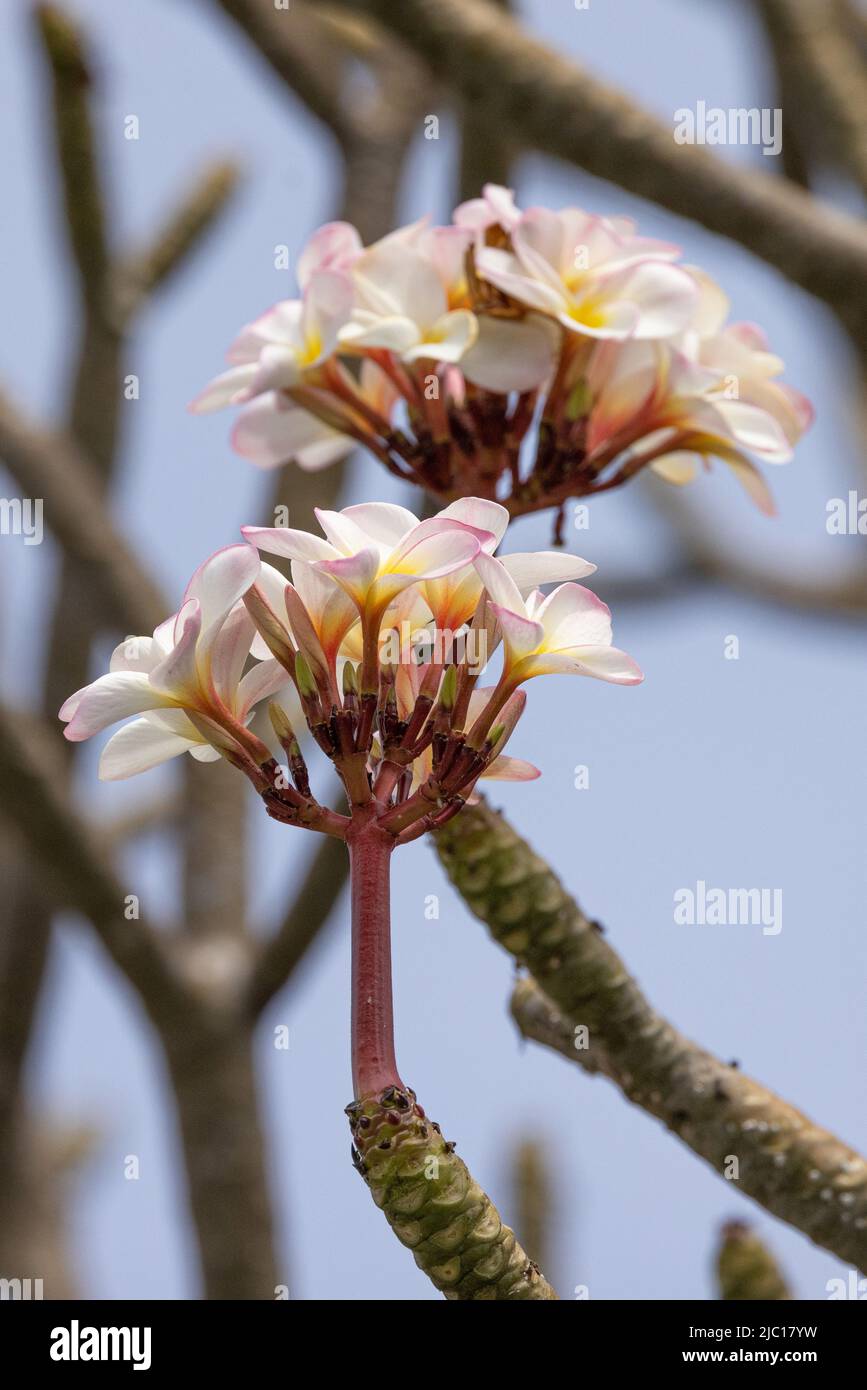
(529, 356)
(378, 642)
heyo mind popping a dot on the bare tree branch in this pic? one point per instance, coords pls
(555, 106)
(799, 1172)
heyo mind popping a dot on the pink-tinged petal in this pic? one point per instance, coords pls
(520, 634)
(226, 389)
(294, 545)
(332, 611)
(229, 653)
(499, 583)
(106, 700)
(603, 663)
(712, 305)
(511, 356)
(574, 616)
(480, 514)
(177, 675)
(751, 428)
(261, 681)
(138, 747)
(271, 431)
(507, 769)
(220, 582)
(531, 569)
(333, 247)
(447, 339)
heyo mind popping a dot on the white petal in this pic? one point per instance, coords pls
(226, 389)
(533, 568)
(271, 431)
(511, 356)
(220, 582)
(106, 700)
(137, 747)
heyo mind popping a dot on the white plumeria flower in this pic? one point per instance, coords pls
(373, 550)
(402, 306)
(592, 275)
(191, 669)
(568, 631)
(453, 599)
(280, 349)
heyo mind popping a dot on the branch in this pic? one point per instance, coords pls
(81, 185)
(140, 274)
(799, 1172)
(317, 895)
(746, 1269)
(51, 468)
(297, 44)
(73, 865)
(435, 1207)
(557, 107)
(825, 75)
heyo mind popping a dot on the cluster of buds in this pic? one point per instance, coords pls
(530, 356)
(250, 654)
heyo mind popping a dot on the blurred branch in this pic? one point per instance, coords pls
(487, 145)
(73, 864)
(799, 1172)
(317, 894)
(82, 191)
(51, 468)
(823, 75)
(556, 106)
(140, 274)
(297, 44)
(707, 557)
(533, 1199)
(746, 1269)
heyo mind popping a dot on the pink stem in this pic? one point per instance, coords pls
(373, 1062)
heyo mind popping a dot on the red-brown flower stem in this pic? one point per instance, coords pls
(373, 1062)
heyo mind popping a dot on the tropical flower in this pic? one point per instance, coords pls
(187, 682)
(594, 276)
(526, 356)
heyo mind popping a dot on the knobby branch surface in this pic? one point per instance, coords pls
(746, 1269)
(558, 107)
(434, 1205)
(793, 1168)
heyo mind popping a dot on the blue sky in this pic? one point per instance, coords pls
(741, 773)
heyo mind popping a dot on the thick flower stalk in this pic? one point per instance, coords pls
(531, 356)
(372, 651)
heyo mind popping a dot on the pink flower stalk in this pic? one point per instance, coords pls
(529, 356)
(377, 643)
